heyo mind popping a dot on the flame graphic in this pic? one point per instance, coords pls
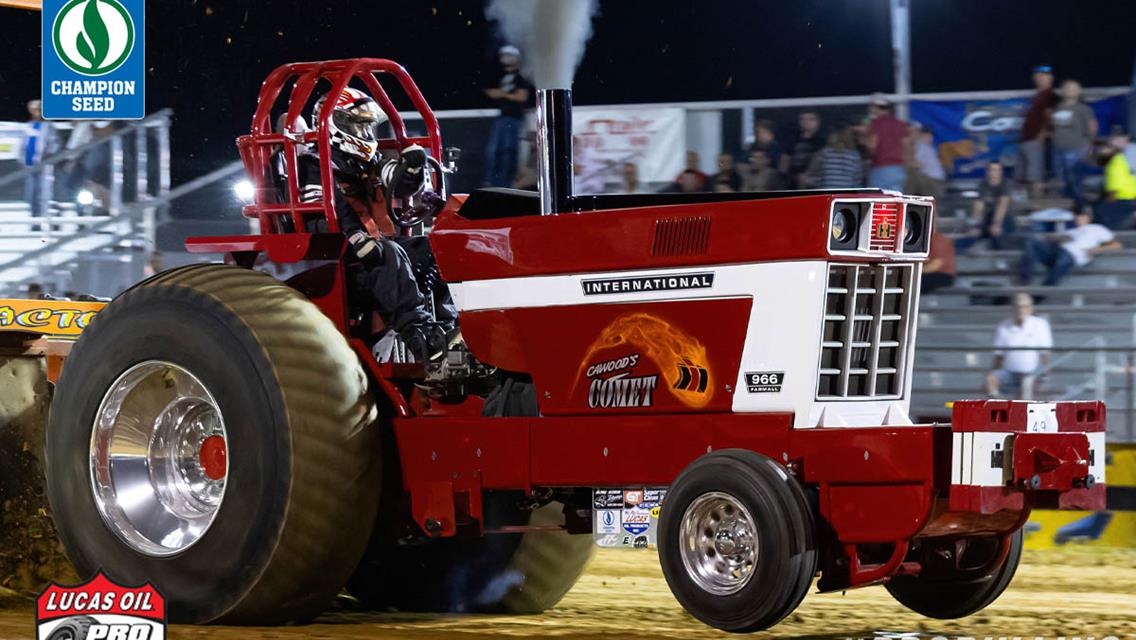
(667, 347)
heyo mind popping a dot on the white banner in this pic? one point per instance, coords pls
(604, 138)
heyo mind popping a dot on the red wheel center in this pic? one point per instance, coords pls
(212, 457)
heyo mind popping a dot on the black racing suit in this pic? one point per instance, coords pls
(391, 274)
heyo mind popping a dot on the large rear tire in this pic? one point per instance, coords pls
(950, 595)
(271, 487)
(736, 541)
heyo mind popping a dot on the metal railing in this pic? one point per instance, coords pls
(134, 162)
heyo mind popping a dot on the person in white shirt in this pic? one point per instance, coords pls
(1061, 252)
(1022, 342)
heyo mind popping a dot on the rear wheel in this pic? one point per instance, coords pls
(213, 433)
(736, 541)
(974, 580)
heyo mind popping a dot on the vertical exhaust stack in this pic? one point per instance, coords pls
(554, 149)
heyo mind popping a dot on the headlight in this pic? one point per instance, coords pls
(843, 225)
(916, 227)
(913, 229)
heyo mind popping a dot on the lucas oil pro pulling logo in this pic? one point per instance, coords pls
(100, 609)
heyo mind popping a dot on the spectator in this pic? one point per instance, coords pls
(727, 178)
(925, 174)
(36, 139)
(808, 142)
(691, 172)
(1030, 338)
(1074, 129)
(1071, 248)
(510, 96)
(1120, 169)
(838, 165)
(940, 270)
(885, 137)
(765, 139)
(689, 181)
(91, 170)
(631, 182)
(1115, 208)
(34, 291)
(759, 174)
(990, 212)
(1035, 129)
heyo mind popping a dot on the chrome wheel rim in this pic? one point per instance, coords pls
(159, 458)
(719, 543)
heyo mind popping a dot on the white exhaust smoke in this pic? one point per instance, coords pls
(551, 34)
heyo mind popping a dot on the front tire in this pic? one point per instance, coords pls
(948, 595)
(736, 541)
(238, 420)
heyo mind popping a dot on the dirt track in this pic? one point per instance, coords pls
(1077, 592)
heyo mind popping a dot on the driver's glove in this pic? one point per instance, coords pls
(364, 248)
(405, 176)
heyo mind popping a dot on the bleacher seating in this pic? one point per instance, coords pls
(66, 251)
(1094, 305)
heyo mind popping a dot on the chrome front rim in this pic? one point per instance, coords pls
(159, 458)
(719, 543)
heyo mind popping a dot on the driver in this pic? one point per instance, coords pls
(364, 181)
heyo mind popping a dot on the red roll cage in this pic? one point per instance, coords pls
(258, 147)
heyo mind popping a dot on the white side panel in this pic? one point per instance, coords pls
(967, 458)
(1042, 418)
(1096, 447)
(783, 334)
(982, 471)
(956, 458)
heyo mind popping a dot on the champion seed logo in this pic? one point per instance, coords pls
(93, 37)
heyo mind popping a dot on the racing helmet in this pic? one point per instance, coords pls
(354, 124)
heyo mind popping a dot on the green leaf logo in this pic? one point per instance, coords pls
(91, 40)
(94, 41)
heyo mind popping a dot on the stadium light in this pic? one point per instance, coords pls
(244, 190)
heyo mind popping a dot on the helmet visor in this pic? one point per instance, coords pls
(360, 120)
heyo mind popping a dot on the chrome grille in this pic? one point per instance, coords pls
(867, 319)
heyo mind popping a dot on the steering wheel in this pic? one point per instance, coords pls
(419, 206)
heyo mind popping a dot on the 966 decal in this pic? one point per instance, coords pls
(100, 609)
(764, 381)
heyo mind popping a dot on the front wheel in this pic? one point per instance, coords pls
(958, 591)
(736, 541)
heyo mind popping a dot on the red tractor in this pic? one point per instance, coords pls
(723, 376)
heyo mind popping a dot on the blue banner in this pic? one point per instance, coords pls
(971, 133)
(94, 60)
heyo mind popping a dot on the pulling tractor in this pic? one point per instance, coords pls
(724, 377)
